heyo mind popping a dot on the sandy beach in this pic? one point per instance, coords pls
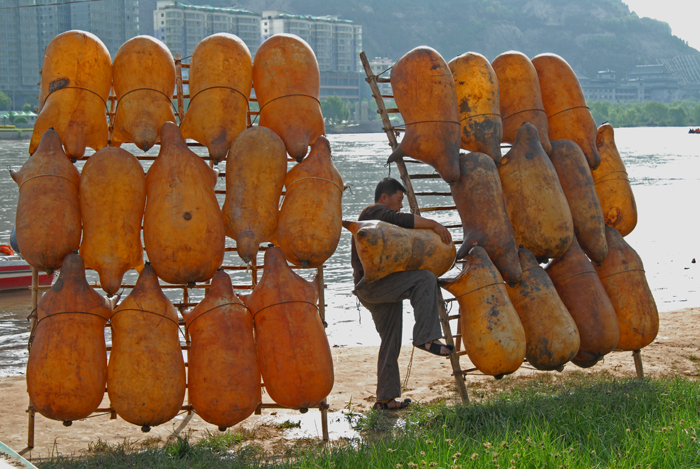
(675, 352)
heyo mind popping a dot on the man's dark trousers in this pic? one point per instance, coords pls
(383, 298)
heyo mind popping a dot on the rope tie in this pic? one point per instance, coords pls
(524, 110)
(215, 87)
(76, 88)
(71, 312)
(574, 275)
(216, 307)
(606, 178)
(289, 96)
(47, 175)
(570, 109)
(479, 115)
(321, 179)
(145, 311)
(476, 289)
(285, 302)
(623, 272)
(428, 122)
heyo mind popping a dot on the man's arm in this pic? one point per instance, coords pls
(420, 222)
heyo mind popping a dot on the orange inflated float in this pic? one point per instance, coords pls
(146, 372)
(255, 172)
(48, 210)
(551, 333)
(223, 379)
(479, 104)
(613, 185)
(112, 200)
(220, 80)
(425, 94)
(521, 98)
(76, 76)
(293, 352)
(577, 182)
(535, 200)
(183, 228)
(585, 298)
(478, 196)
(622, 275)
(287, 84)
(385, 248)
(568, 115)
(67, 367)
(310, 220)
(144, 81)
(492, 334)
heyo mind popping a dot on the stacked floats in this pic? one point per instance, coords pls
(560, 195)
(234, 341)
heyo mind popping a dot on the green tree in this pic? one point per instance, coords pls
(334, 110)
(27, 107)
(20, 120)
(696, 114)
(655, 112)
(600, 111)
(677, 116)
(5, 101)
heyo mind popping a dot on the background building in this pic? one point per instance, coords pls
(181, 26)
(25, 32)
(337, 43)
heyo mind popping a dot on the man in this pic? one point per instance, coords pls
(383, 298)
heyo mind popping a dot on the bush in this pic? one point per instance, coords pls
(27, 107)
(20, 120)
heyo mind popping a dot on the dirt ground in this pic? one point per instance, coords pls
(676, 351)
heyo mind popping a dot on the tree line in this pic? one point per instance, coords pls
(647, 114)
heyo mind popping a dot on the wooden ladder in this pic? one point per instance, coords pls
(411, 195)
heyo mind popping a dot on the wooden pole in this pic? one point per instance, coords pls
(178, 84)
(637, 356)
(31, 414)
(324, 419)
(454, 359)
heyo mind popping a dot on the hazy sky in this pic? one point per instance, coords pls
(681, 15)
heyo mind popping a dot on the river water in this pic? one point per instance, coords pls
(663, 164)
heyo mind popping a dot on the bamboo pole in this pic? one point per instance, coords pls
(637, 356)
(178, 84)
(31, 413)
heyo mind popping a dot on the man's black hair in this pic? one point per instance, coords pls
(388, 186)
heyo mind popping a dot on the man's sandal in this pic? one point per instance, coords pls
(436, 347)
(397, 405)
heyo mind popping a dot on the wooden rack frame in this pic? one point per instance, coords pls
(407, 178)
(186, 302)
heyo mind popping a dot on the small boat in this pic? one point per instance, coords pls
(16, 273)
(694, 131)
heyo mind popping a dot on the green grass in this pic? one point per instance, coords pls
(581, 421)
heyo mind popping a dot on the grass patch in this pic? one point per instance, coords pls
(577, 421)
(288, 424)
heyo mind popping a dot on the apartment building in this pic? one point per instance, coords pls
(182, 26)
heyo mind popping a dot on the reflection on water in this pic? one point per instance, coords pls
(663, 165)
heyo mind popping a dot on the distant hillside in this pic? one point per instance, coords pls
(591, 35)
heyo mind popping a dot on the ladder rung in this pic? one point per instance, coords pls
(452, 226)
(452, 317)
(383, 80)
(438, 209)
(388, 96)
(424, 176)
(459, 354)
(392, 110)
(442, 194)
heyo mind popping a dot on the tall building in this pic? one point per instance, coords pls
(19, 51)
(113, 21)
(182, 26)
(29, 25)
(337, 43)
(382, 65)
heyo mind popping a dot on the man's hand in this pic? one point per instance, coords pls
(420, 222)
(444, 233)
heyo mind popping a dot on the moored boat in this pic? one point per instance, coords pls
(15, 274)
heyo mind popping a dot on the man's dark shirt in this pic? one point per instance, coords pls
(383, 213)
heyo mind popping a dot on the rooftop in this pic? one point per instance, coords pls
(187, 6)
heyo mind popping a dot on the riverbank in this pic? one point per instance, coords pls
(675, 352)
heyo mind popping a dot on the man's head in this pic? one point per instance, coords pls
(390, 192)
